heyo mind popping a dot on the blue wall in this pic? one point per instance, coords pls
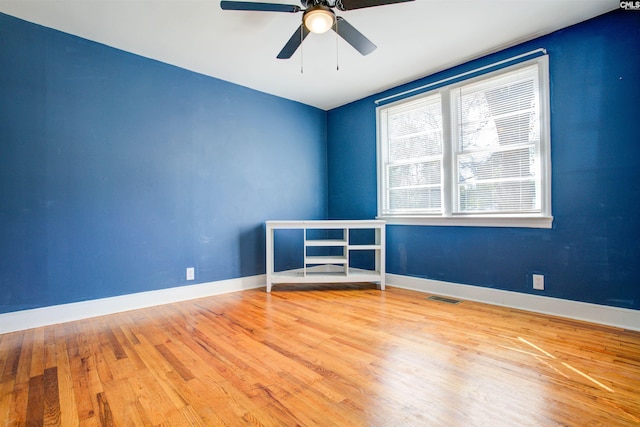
(592, 252)
(118, 172)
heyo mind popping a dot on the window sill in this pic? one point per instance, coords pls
(472, 221)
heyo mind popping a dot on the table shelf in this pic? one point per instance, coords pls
(331, 257)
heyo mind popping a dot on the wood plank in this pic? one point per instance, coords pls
(23, 371)
(123, 405)
(19, 404)
(51, 416)
(37, 352)
(108, 337)
(35, 405)
(151, 399)
(104, 411)
(10, 350)
(50, 347)
(177, 365)
(7, 397)
(82, 363)
(68, 407)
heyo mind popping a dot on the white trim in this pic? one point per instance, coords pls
(594, 313)
(45, 316)
(37, 317)
(472, 221)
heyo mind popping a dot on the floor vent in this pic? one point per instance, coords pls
(444, 299)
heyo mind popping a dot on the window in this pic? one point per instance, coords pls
(471, 153)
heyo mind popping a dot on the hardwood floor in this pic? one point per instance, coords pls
(345, 355)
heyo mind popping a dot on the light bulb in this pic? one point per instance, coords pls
(318, 20)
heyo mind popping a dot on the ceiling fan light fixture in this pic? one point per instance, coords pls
(319, 19)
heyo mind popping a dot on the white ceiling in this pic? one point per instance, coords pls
(414, 39)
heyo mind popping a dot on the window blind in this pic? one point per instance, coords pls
(497, 124)
(414, 157)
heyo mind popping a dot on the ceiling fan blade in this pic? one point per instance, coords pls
(359, 4)
(261, 7)
(292, 45)
(352, 36)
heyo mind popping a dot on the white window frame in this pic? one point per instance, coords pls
(541, 219)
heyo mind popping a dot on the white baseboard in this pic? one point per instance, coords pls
(594, 313)
(37, 317)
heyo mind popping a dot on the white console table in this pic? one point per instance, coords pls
(334, 267)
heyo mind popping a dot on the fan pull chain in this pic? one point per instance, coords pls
(301, 50)
(337, 57)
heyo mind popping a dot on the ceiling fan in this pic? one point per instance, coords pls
(318, 17)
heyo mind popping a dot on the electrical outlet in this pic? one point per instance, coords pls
(538, 282)
(191, 274)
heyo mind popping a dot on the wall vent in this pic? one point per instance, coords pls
(444, 299)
